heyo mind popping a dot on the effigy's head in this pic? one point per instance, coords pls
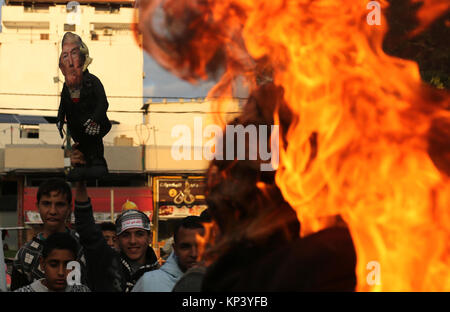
(74, 59)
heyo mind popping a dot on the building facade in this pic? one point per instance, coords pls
(30, 45)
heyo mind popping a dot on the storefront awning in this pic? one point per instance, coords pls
(101, 198)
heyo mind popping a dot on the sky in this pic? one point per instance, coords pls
(161, 83)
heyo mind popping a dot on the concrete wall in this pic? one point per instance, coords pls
(33, 157)
(160, 159)
(119, 158)
(2, 159)
(194, 117)
(123, 158)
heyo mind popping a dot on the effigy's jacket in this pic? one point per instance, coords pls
(93, 105)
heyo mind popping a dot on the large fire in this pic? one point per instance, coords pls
(380, 155)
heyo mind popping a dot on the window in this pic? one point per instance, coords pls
(68, 27)
(29, 131)
(8, 196)
(94, 36)
(41, 8)
(36, 8)
(115, 9)
(44, 36)
(102, 9)
(108, 31)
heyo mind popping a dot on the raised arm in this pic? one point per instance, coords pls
(99, 256)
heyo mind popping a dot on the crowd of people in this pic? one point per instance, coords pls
(238, 257)
(112, 257)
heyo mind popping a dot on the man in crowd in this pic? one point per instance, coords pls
(108, 269)
(192, 279)
(53, 201)
(183, 257)
(109, 233)
(59, 249)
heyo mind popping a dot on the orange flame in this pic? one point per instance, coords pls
(374, 120)
(203, 240)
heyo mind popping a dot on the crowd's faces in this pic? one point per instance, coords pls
(54, 210)
(186, 247)
(134, 243)
(71, 64)
(55, 268)
(111, 239)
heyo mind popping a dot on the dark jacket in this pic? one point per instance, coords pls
(107, 269)
(92, 105)
(26, 265)
(324, 261)
(191, 281)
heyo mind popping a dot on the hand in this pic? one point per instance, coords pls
(92, 128)
(76, 156)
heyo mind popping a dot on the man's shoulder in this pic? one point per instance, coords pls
(156, 281)
(150, 275)
(158, 275)
(151, 281)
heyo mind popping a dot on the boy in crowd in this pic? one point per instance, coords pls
(53, 201)
(109, 233)
(192, 279)
(108, 269)
(59, 249)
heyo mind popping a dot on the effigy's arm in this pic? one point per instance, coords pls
(101, 107)
(60, 118)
